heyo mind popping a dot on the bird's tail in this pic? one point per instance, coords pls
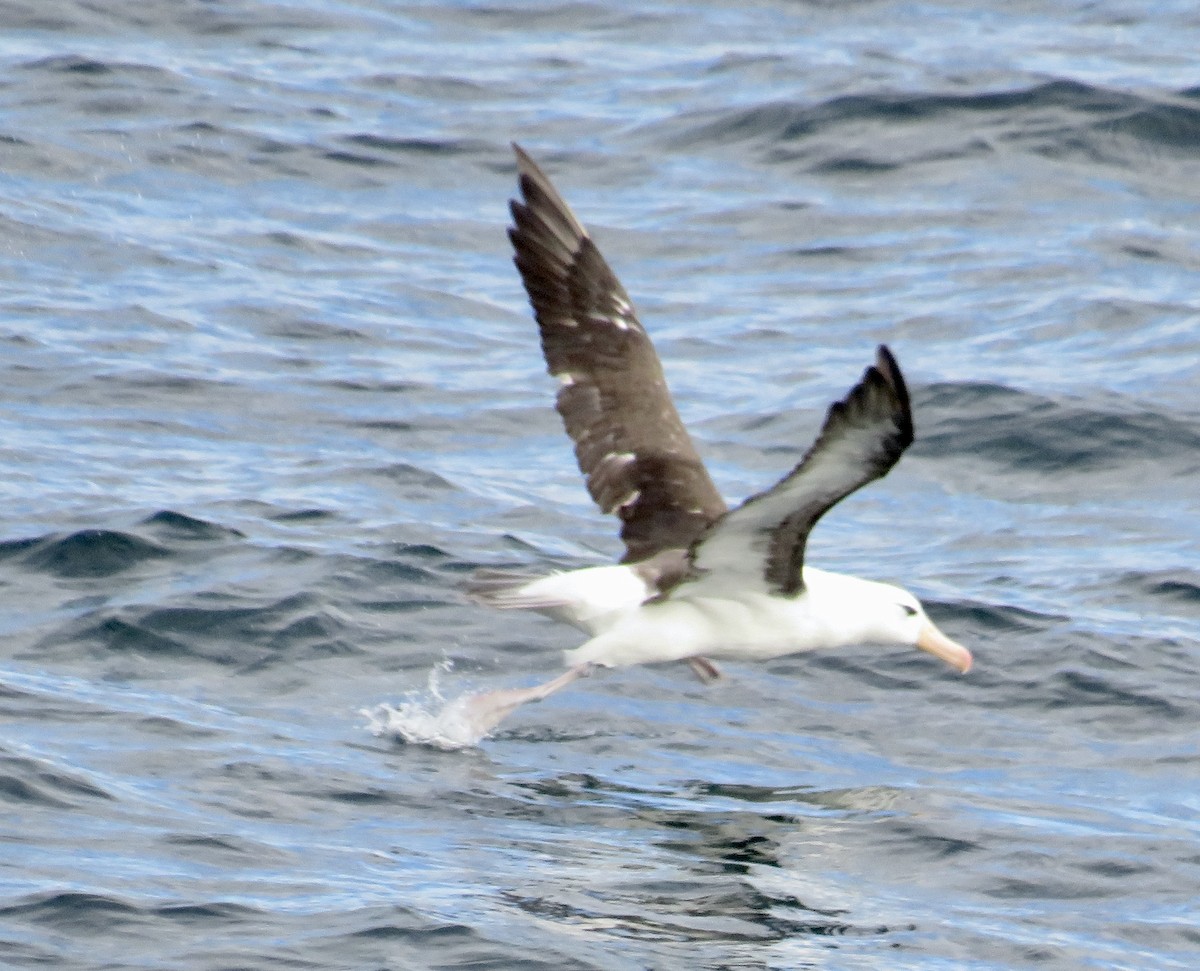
(590, 599)
(510, 590)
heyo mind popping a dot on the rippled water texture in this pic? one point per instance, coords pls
(270, 390)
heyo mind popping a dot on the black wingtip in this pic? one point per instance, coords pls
(889, 367)
(528, 172)
(885, 360)
(527, 168)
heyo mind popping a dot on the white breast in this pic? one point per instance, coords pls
(833, 611)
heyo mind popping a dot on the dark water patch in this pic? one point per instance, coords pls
(422, 85)
(394, 926)
(1179, 587)
(303, 516)
(226, 154)
(165, 727)
(855, 165)
(583, 16)
(59, 704)
(15, 547)
(23, 792)
(415, 483)
(382, 386)
(418, 551)
(409, 581)
(1090, 695)
(114, 634)
(879, 132)
(1166, 124)
(462, 570)
(134, 386)
(434, 148)
(993, 618)
(788, 805)
(742, 792)
(737, 854)
(714, 909)
(221, 913)
(166, 19)
(570, 784)
(710, 838)
(402, 473)
(1021, 888)
(1028, 432)
(1116, 869)
(890, 671)
(395, 426)
(87, 67)
(721, 844)
(167, 524)
(442, 944)
(377, 574)
(286, 623)
(22, 954)
(15, 695)
(94, 88)
(317, 634)
(92, 553)
(235, 635)
(315, 331)
(910, 838)
(258, 791)
(25, 781)
(1100, 680)
(358, 797)
(230, 849)
(359, 159)
(72, 911)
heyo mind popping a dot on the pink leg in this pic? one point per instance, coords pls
(485, 711)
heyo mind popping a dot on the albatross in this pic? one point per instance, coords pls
(697, 580)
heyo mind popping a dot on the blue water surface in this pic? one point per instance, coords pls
(269, 391)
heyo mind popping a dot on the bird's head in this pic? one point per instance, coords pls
(902, 620)
(860, 611)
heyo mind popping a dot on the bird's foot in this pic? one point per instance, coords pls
(485, 711)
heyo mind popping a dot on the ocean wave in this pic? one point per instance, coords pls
(885, 130)
(1028, 432)
(91, 553)
(32, 782)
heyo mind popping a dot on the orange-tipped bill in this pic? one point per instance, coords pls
(939, 645)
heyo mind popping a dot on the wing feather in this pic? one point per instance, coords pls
(631, 445)
(763, 540)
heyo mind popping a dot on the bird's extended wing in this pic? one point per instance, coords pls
(632, 448)
(762, 541)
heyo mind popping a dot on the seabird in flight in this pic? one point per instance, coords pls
(697, 580)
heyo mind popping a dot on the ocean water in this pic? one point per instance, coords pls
(269, 389)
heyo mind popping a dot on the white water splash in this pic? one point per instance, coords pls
(464, 721)
(425, 717)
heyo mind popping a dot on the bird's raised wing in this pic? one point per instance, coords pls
(632, 448)
(762, 541)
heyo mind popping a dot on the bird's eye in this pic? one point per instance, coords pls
(908, 610)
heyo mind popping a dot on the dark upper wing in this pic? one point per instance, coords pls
(763, 539)
(632, 448)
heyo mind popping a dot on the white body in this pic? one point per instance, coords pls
(700, 619)
(834, 610)
(709, 617)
